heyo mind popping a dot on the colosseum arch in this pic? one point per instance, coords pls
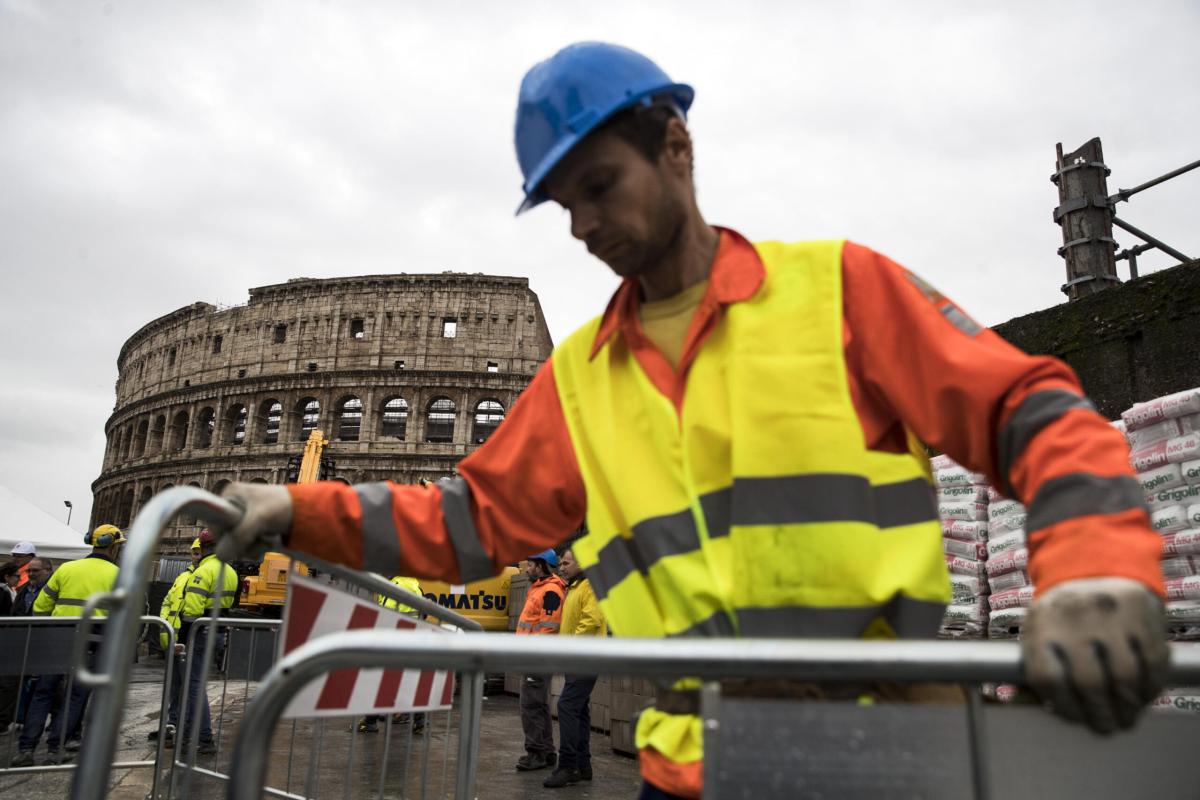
(233, 429)
(126, 439)
(139, 439)
(157, 435)
(489, 414)
(143, 498)
(348, 419)
(439, 420)
(125, 509)
(307, 414)
(394, 418)
(219, 485)
(270, 419)
(206, 425)
(187, 518)
(179, 431)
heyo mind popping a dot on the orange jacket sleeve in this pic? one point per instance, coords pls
(518, 494)
(917, 360)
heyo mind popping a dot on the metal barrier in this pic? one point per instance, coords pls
(55, 647)
(711, 660)
(110, 681)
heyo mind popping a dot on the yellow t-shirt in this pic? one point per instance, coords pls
(666, 322)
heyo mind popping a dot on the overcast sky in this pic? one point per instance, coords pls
(156, 154)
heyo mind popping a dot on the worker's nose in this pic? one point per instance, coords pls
(584, 223)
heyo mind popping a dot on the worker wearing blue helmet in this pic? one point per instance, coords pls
(540, 616)
(739, 429)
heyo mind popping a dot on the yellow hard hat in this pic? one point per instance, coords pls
(196, 543)
(104, 536)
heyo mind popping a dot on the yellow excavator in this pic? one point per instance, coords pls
(265, 591)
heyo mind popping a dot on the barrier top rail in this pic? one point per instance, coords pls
(125, 601)
(802, 659)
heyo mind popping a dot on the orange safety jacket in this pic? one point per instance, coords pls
(914, 362)
(543, 607)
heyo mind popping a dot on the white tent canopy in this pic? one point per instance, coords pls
(21, 520)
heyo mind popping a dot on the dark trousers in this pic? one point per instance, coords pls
(177, 668)
(535, 715)
(197, 696)
(48, 687)
(652, 792)
(10, 686)
(575, 722)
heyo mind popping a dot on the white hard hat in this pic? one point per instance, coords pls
(24, 549)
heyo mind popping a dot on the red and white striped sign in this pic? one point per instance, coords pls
(314, 610)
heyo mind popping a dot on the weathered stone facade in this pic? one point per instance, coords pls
(405, 374)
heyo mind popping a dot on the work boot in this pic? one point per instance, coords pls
(585, 773)
(368, 725)
(22, 759)
(72, 745)
(564, 776)
(206, 748)
(532, 761)
(168, 730)
(54, 757)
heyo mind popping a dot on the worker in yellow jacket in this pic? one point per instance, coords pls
(64, 595)
(212, 577)
(171, 611)
(581, 616)
(370, 723)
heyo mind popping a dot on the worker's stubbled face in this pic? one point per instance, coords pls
(627, 210)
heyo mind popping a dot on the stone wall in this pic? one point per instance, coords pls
(1129, 343)
(405, 374)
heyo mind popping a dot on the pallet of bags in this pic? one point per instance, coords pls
(1165, 430)
(962, 500)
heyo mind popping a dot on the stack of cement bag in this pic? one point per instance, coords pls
(962, 499)
(1007, 567)
(1164, 440)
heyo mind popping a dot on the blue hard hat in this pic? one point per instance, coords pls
(567, 96)
(549, 556)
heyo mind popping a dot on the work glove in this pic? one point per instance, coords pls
(1095, 650)
(266, 519)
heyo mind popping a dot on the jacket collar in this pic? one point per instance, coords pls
(736, 274)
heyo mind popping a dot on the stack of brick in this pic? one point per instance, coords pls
(1164, 440)
(962, 499)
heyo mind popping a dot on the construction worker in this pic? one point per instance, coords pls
(581, 617)
(64, 595)
(370, 723)
(739, 429)
(210, 577)
(171, 611)
(541, 615)
(22, 553)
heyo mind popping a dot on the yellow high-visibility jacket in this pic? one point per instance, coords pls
(581, 611)
(172, 605)
(410, 584)
(198, 596)
(73, 583)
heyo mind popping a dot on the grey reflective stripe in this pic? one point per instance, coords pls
(50, 592)
(546, 625)
(68, 601)
(653, 539)
(380, 542)
(524, 624)
(199, 591)
(473, 561)
(1035, 412)
(904, 503)
(717, 625)
(717, 507)
(787, 500)
(907, 617)
(1080, 494)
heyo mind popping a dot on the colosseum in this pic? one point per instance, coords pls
(404, 374)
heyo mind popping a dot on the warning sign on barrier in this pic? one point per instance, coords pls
(313, 610)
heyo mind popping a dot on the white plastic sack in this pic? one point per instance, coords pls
(1183, 611)
(957, 476)
(967, 530)
(1179, 567)
(1190, 471)
(975, 493)
(1180, 495)
(1169, 519)
(971, 512)
(1006, 624)
(1012, 598)
(1004, 508)
(976, 612)
(1011, 540)
(1184, 543)
(1172, 451)
(965, 588)
(1009, 580)
(1008, 522)
(957, 547)
(1170, 406)
(1008, 562)
(1168, 476)
(964, 566)
(1184, 588)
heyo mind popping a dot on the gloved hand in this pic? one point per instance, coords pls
(266, 519)
(1095, 650)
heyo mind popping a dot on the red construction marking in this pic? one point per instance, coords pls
(424, 689)
(448, 692)
(340, 683)
(303, 608)
(389, 684)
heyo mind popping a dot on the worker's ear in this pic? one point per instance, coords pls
(677, 150)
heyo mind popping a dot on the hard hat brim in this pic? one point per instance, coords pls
(535, 195)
